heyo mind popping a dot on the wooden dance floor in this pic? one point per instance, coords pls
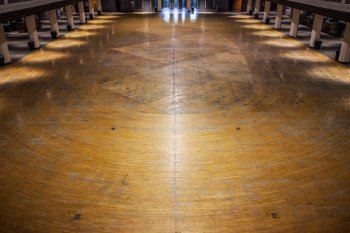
(166, 123)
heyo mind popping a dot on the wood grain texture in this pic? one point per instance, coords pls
(144, 123)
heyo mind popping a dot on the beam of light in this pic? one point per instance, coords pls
(100, 21)
(331, 72)
(241, 16)
(144, 13)
(206, 13)
(256, 26)
(108, 17)
(65, 43)
(42, 56)
(92, 27)
(21, 73)
(283, 43)
(305, 56)
(268, 33)
(253, 21)
(80, 34)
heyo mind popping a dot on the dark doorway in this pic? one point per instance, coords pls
(230, 5)
(118, 5)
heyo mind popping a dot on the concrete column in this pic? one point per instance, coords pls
(91, 9)
(54, 22)
(32, 32)
(69, 14)
(81, 12)
(266, 18)
(188, 2)
(99, 7)
(344, 55)
(257, 8)
(159, 4)
(3, 45)
(316, 30)
(295, 23)
(279, 15)
(249, 6)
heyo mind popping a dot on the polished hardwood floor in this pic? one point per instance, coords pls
(156, 123)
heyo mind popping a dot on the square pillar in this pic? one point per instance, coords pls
(91, 9)
(3, 45)
(344, 55)
(99, 7)
(81, 12)
(54, 22)
(279, 15)
(249, 6)
(316, 30)
(188, 2)
(295, 23)
(257, 8)
(32, 32)
(159, 5)
(266, 18)
(69, 13)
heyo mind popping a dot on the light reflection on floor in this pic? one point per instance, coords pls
(201, 127)
(173, 15)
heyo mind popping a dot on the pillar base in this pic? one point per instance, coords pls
(344, 63)
(99, 12)
(54, 35)
(69, 28)
(337, 53)
(267, 21)
(317, 44)
(256, 16)
(2, 60)
(31, 45)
